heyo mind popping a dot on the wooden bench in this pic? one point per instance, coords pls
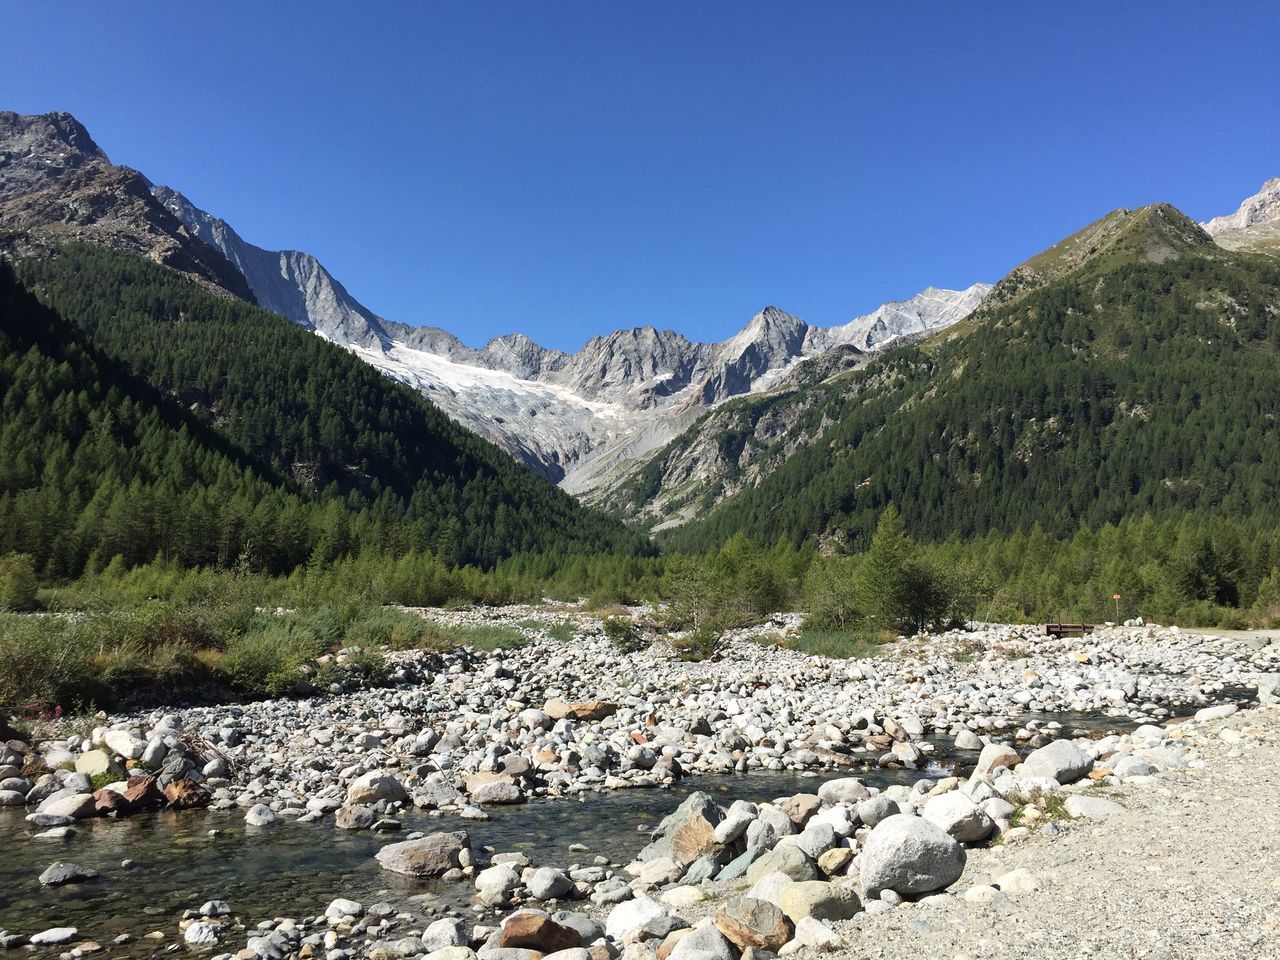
(1063, 629)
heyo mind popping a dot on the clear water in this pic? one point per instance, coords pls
(294, 870)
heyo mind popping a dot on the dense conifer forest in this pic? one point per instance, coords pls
(142, 416)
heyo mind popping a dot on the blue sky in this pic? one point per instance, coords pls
(567, 168)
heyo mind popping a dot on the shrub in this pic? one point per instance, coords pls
(697, 645)
(44, 662)
(17, 583)
(836, 644)
(266, 661)
(624, 635)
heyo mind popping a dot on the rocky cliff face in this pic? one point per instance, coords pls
(57, 185)
(1255, 226)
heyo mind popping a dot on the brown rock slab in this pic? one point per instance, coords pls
(747, 922)
(583, 710)
(186, 794)
(535, 930)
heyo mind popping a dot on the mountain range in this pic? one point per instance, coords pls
(781, 417)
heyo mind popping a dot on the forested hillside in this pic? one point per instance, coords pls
(269, 445)
(1132, 371)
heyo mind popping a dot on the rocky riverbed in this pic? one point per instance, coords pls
(465, 736)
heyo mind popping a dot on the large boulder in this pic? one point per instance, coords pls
(1061, 760)
(909, 855)
(547, 883)
(430, 856)
(1091, 808)
(373, 787)
(688, 833)
(142, 793)
(817, 898)
(186, 794)
(959, 816)
(746, 922)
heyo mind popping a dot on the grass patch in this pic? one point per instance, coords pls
(562, 631)
(490, 637)
(836, 644)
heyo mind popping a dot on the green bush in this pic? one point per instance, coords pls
(17, 583)
(697, 645)
(266, 660)
(625, 636)
(836, 644)
(44, 662)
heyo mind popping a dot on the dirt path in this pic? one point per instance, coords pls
(1189, 869)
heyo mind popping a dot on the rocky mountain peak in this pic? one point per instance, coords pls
(1262, 207)
(37, 150)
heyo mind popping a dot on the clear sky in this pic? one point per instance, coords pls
(567, 168)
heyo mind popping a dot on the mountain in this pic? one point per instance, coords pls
(1128, 369)
(350, 459)
(57, 185)
(1255, 226)
(581, 419)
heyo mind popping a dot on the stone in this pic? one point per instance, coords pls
(843, 790)
(201, 933)
(354, 818)
(547, 883)
(260, 815)
(429, 856)
(874, 809)
(1061, 760)
(77, 806)
(586, 710)
(186, 795)
(816, 839)
(789, 860)
(98, 763)
(125, 744)
(959, 816)
(995, 755)
(444, 933)
(968, 740)
(1219, 712)
(909, 855)
(769, 888)
(589, 929)
(704, 943)
(688, 833)
(215, 908)
(738, 866)
(1268, 688)
(58, 874)
(630, 916)
(660, 872)
(457, 952)
(1091, 808)
(536, 930)
(1017, 882)
(1131, 766)
(108, 801)
(497, 792)
(498, 880)
(12, 798)
(373, 787)
(142, 793)
(55, 936)
(820, 899)
(344, 908)
(746, 922)
(801, 807)
(835, 861)
(816, 935)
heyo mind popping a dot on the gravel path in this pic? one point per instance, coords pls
(1190, 869)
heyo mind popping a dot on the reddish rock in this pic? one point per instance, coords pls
(142, 794)
(585, 710)
(185, 794)
(108, 801)
(535, 930)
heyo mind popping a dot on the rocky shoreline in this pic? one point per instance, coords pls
(463, 731)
